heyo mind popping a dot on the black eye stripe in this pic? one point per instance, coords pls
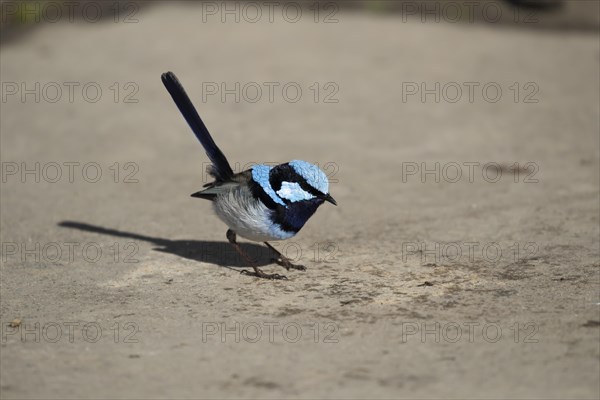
(285, 173)
(308, 188)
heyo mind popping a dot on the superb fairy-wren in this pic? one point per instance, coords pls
(262, 203)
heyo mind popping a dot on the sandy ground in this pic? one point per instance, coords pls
(128, 289)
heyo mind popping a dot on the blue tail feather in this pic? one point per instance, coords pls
(221, 169)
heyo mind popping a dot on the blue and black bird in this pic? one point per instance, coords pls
(263, 203)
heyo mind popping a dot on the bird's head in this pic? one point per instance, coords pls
(300, 181)
(293, 183)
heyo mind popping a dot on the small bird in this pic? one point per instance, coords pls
(262, 203)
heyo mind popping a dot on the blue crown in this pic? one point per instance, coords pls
(312, 174)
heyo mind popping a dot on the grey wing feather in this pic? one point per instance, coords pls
(216, 188)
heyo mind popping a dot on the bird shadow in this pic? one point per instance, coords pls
(219, 253)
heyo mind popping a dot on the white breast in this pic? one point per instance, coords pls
(247, 216)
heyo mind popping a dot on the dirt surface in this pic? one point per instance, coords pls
(124, 289)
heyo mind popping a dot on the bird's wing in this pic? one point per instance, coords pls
(213, 191)
(216, 188)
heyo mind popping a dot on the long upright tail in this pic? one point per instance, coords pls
(221, 169)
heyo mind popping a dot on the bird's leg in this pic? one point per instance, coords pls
(284, 261)
(231, 236)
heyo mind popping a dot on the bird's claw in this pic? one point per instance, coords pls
(298, 267)
(263, 275)
(275, 277)
(288, 265)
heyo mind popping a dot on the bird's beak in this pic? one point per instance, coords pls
(330, 199)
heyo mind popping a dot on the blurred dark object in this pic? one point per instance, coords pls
(571, 15)
(537, 4)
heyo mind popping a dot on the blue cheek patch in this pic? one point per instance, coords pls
(313, 175)
(260, 175)
(293, 192)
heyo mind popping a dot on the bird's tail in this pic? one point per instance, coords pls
(221, 170)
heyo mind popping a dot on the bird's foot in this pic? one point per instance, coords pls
(259, 274)
(283, 260)
(287, 264)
